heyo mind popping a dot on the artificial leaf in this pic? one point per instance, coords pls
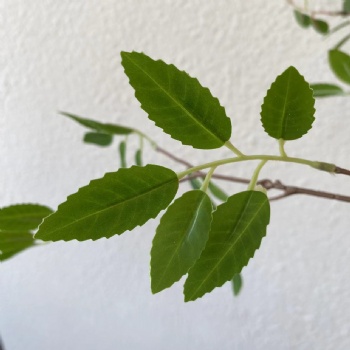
(340, 64)
(98, 138)
(303, 20)
(105, 128)
(118, 202)
(326, 90)
(13, 242)
(237, 283)
(320, 26)
(237, 229)
(138, 157)
(288, 109)
(176, 102)
(22, 217)
(122, 154)
(217, 192)
(180, 238)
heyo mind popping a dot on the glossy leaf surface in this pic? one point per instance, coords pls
(118, 202)
(288, 109)
(326, 90)
(340, 64)
(237, 229)
(101, 127)
(176, 102)
(180, 238)
(13, 242)
(98, 138)
(22, 217)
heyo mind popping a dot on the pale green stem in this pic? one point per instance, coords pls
(232, 148)
(141, 142)
(314, 164)
(281, 143)
(255, 176)
(205, 184)
(140, 133)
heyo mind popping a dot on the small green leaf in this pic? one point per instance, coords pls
(303, 20)
(180, 238)
(118, 202)
(13, 242)
(138, 157)
(237, 283)
(217, 192)
(196, 184)
(346, 5)
(105, 128)
(340, 64)
(326, 90)
(22, 217)
(288, 109)
(237, 229)
(122, 154)
(176, 102)
(321, 27)
(98, 138)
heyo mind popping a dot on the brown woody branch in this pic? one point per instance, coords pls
(266, 183)
(320, 12)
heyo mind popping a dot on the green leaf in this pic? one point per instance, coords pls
(105, 128)
(98, 138)
(237, 284)
(340, 64)
(180, 238)
(217, 192)
(138, 157)
(325, 90)
(22, 217)
(196, 184)
(288, 109)
(122, 154)
(303, 20)
(346, 5)
(13, 242)
(118, 202)
(321, 27)
(236, 232)
(176, 102)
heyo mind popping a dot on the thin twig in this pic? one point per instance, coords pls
(266, 183)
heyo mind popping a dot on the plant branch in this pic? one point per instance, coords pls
(266, 183)
(319, 12)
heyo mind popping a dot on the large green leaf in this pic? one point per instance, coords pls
(326, 90)
(340, 64)
(118, 202)
(288, 109)
(176, 102)
(98, 138)
(237, 230)
(100, 127)
(22, 217)
(180, 238)
(13, 242)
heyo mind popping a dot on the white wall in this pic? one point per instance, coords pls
(64, 55)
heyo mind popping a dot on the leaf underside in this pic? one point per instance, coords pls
(118, 202)
(22, 217)
(105, 128)
(180, 238)
(326, 90)
(176, 102)
(288, 109)
(340, 64)
(237, 229)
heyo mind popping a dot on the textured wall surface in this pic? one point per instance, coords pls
(64, 55)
